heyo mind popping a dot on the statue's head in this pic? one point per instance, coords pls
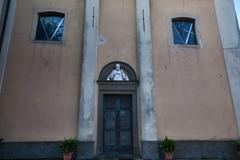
(117, 67)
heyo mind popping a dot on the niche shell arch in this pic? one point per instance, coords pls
(126, 69)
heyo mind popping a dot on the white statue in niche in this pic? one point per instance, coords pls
(117, 74)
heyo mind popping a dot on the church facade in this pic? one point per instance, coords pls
(120, 76)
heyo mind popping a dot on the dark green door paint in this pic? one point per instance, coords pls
(117, 124)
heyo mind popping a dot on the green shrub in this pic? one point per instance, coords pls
(237, 144)
(168, 145)
(69, 145)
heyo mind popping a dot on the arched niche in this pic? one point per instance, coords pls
(109, 68)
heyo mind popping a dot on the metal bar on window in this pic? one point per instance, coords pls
(44, 29)
(177, 33)
(189, 32)
(57, 28)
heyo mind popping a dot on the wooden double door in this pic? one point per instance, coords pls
(117, 136)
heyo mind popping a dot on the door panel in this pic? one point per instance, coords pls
(110, 120)
(117, 125)
(125, 120)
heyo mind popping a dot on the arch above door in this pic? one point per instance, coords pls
(126, 71)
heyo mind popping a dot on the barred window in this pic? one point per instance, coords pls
(50, 26)
(184, 32)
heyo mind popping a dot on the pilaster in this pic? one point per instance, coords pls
(148, 111)
(7, 32)
(88, 83)
(230, 38)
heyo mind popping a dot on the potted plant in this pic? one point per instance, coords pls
(168, 147)
(237, 144)
(69, 146)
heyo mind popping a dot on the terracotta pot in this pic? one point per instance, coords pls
(67, 156)
(168, 155)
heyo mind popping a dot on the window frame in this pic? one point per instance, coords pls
(199, 43)
(184, 20)
(35, 25)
